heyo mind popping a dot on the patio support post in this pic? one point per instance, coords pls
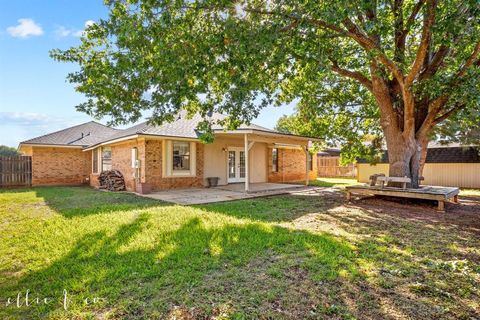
(306, 166)
(246, 162)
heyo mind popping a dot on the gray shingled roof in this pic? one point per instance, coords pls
(91, 133)
(82, 135)
(182, 127)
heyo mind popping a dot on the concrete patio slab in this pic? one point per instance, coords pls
(260, 187)
(220, 194)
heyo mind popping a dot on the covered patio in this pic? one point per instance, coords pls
(250, 161)
(225, 193)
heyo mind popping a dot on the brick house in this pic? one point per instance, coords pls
(169, 156)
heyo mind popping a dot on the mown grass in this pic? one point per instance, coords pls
(333, 182)
(276, 257)
(470, 192)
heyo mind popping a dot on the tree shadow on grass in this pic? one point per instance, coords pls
(278, 208)
(140, 272)
(427, 261)
(202, 269)
(83, 201)
(464, 215)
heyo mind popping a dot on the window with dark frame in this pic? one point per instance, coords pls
(181, 155)
(310, 161)
(95, 161)
(274, 160)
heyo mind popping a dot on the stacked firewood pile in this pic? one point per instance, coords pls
(111, 180)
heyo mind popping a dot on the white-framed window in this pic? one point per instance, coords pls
(106, 158)
(95, 160)
(181, 156)
(179, 159)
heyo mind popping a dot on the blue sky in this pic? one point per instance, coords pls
(34, 97)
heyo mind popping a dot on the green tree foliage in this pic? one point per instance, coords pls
(356, 138)
(463, 127)
(400, 65)
(8, 151)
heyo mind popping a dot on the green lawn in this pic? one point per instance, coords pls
(470, 192)
(277, 257)
(333, 182)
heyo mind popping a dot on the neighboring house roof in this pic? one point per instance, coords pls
(329, 152)
(81, 135)
(445, 154)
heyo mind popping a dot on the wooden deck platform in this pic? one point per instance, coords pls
(440, 194)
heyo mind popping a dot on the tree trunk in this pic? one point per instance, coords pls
(403, 145)
(403, 163)
(404, 159)
(423, 157)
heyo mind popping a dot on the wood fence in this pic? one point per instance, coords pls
(15, 171)
(330, 167)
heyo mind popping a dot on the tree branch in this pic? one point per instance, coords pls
(437, 104)
(436, 63)
(353, 32)
(413, 16)
(401, 36)
(424, 43)
(399, 30)
(353, 75)
(370, 45)
(470, 61)
(316, 22)
(447, 114)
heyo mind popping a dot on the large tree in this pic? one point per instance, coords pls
(8, 151)
(410, 64)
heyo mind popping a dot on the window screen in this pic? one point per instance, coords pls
(181, 155)
(106, 158)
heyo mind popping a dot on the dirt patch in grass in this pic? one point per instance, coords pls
(464, 215)
(425, 262)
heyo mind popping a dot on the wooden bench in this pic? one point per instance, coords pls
(385, 180)
(440, 194)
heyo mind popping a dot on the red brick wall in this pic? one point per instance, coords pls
(60, 166)
(153, 162)
(122, 160)
(153, 168)
(68, 166)
(291, 166)
(150, 156)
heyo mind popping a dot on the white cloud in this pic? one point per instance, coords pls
(20, 126)
(78, 33)
(88, 23)
(24, 118)
(25, 28)
(62, 32)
